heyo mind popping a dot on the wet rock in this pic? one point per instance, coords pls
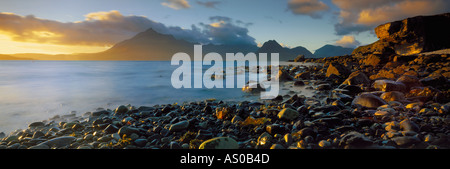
(277, 146)
(405, 140)
(288, 114)
(409, 81)
(120, 110)
(393, 96)
(373, 60)
(323, 87)
(369, 101)
(408, 125)
(179, 126)
(303, 76)
(337, 69)
(284, 76)
(389, 85)
(220, 143)
(110, 129)
(56, 142)
(354, 140)
(357, 78)
(275, 129)
(127, 130)
(434, 79)
(36, 124)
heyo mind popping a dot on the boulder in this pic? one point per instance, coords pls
(369, 101)
(303, 75)
(299, 58)
(409, 81)
(389, 85)
(288, 114)
(337, 69)
(410, 36)
(393, 96)
(357, 78)
(283, 76)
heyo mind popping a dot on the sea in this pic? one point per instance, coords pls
(37, 90)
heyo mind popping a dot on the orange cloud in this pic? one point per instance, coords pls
(348, 41)
(312, 8)
(365, 15)
(98, 29)
(176, 4)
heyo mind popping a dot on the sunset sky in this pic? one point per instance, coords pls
(83, 26)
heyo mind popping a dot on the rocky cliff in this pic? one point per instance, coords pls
(410, 36)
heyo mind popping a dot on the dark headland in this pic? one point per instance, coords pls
(391, 94)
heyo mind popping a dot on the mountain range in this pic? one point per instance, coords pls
(331, 50)
(151, 45)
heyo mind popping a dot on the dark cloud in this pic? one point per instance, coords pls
(224, 30)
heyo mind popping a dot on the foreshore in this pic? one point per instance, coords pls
(398, 104)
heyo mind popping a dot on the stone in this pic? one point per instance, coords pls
(140, 142)
(369, 101)
(323, 87)
(410, 36)
(324, 144)
(219, 143)
(389, 85)
(264, 140)
(179, 126)
(355, 140)
(56, 142)
(434, 79)
(275, 129)
(126, 130)
(277, 146)
(252, 88)
(110, 129)
(409, 81)
(408, 125)
(381, 113)
(299, 83)
(393, 96)
(303, 76)
(405, 140)
(288, 114)
(121, 110)
(36, 124)
(283, 76)
(299, 58)
(337, 69)
(373, 60)
(357, 78)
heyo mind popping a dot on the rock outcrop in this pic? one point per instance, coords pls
(410, 36)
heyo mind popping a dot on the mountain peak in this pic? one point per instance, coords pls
(271, 44)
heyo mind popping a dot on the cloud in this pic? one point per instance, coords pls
(176, 4)
(347, 41)
(224, 30)
(312, 8)
(209, 4)
(108, 28)
(365, 15)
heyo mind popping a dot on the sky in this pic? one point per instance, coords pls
(84, 26)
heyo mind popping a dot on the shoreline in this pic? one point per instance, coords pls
(352, 106)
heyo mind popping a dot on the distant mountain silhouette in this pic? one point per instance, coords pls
(331, 50)
(285, 54)
(8, 57)
(151, 45)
